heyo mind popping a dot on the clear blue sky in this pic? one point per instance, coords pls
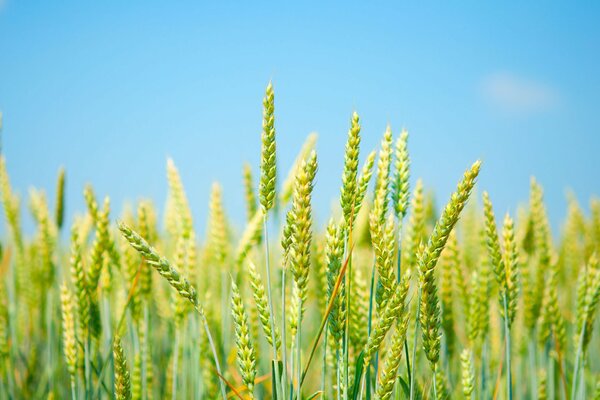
(110, 89)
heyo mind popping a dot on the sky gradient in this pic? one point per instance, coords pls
(110, 90)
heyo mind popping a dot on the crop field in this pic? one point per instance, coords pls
(392, 298)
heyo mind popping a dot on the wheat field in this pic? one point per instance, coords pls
(391, 298)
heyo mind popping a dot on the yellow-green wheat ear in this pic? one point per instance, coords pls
(268, 161)
(511, 261)
(494, 251)
(59, 213)
(542, 385)
(162, 265)
(334, 250)
(122, 379)
(591, 302)
(246, 356)
(301, 235)
(79, 281)
(68, 326)
(287, 188)
(249, 193)
(4, 350)
(392, 361)
(401, 176)
(349, 184)
(468, 375)
(430, 309)
(262, 305)
(597, 391)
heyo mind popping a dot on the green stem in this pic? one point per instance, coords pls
(175, 364)
(509, 392)
(49, 347)
(434, 382)
(214, 351)
(73, 391)
(347, 320)
(283, 336)
(369, 327)
(272, 319)
(299, 347)
(577, 362)
(398, 279)
(415, 342)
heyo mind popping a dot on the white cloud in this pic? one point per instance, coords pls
(514, 94)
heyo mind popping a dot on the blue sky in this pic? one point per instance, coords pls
(111, 89)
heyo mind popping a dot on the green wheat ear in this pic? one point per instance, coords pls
(468, 376)
(287, 189)
(249, 191)
(349, 185)
(246, 355)
(400, 185)
(301, 235)
(262, 305)
(430, 309)
(392, 361)
(68, 326)
(59, 213)
(268, 161)
(122, 379)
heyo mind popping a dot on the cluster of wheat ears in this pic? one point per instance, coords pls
(390, 299)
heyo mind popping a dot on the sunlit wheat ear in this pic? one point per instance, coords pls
(382, 189)
(249, 192)
(334, 249)
(79, 281)
(250, 237)
(504, 264)
(145, 224)
(363, 183)
(217, 241)
(301, 235)
(591, 303)
(136, 377)
(68, 328)
(597, 390)
(287, 189)
(177, 193)
(448, 266)
(246, 356)
(542, 393)
(468, 375)
(122, 379)
(4, 350)
(349, 175)
(384, 248)
(262, 305)
(46, 234)
(400, 184)
(416, 227)
(59, 213)
(395, 308)
(99, 245)
(541, 246)
(511, 262)
(90, 201)
(391, 365)
(164, 267)
(430, 312)
(268, 162)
